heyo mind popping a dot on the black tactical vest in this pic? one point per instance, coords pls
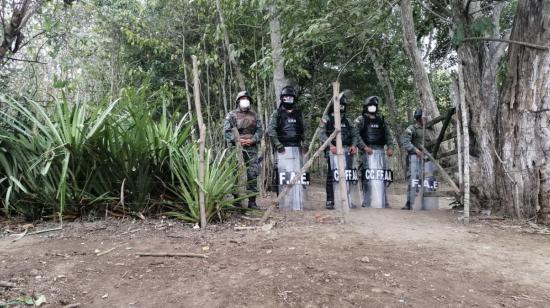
(347, 133)
(290, 129)
(373, 132)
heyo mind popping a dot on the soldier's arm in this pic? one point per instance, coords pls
(407, 139)
(227, 128)
(259, 131)
(358, 126)
(323, 129)
(272, 131)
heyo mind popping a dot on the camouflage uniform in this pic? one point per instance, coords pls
(250, 127)
(412, 139)
(349, 139)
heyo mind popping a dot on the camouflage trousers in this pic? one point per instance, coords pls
(252, 170)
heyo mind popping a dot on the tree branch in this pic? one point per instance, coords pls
(25, 60)
(506, 41)
(427, 8)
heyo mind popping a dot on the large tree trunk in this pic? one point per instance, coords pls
(279, 80)
(423, 87)
(524, 115)
(384, 79)
(479, 64)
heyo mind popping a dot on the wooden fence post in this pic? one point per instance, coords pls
(340, 158)
(202, 138)
(466, 135)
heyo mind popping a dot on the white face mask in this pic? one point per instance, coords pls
(244, 104)
(288, 99)
(371, 109)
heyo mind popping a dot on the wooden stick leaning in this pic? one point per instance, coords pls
(443, 172)
(242, 168)
(202, 138)
(298, 176)
(340, 158)
(312, 143)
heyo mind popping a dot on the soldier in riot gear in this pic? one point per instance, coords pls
(287, 131)
(286, 125)
(412, 139)
(349, 141)
(373, 136)
(249, 125)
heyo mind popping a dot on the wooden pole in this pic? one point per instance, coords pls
(340, 158)
(242, 168)
(420, 198)
(202, 138)
(466, 135)
(459, 144)
(443, 172)
(297, 176)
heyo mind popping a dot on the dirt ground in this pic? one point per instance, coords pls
(380, 258)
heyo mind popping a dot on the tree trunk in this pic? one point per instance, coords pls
(279, 80)
(384, 79)
(524, 115)
(424, 89)
(12, 28)
(202, 134)
(229, 47)
(479, 61)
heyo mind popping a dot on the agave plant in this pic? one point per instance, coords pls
(219, 183)
(42, 152)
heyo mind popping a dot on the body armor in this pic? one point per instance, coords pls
(246, 123)
(290, 128)
(347, 131)
(373, 132)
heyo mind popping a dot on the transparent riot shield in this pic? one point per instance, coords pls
(351, 176)
(377, 175)
(430, 184)
(289, 164)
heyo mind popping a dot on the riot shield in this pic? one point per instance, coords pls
(430, 184)
(376, 176)
(351, 176)
(289, 164)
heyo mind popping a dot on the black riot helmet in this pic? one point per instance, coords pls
(288, 97)
(371, 100)
(370, 105)
(418, 113)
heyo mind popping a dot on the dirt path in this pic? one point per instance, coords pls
(382, 258)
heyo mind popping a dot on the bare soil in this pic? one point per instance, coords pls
(380, 258)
